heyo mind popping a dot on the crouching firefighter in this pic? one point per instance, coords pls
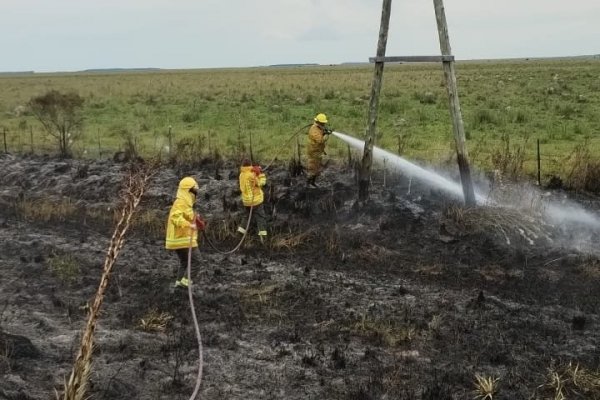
(183, 226)
(252, 179)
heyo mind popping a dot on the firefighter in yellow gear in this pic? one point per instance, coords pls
(315, 149)
(183, 226)
(252, 180)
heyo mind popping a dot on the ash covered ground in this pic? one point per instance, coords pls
(409, 296)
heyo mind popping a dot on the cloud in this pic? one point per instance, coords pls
(319, 33)
(75, 34)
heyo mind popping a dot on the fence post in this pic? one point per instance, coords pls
(31, 138)
(349, 157)
(250, 144)
(384, 170)
(4, 134)
(170, 141)
(99, 144)
(298, 151)
(539, 164)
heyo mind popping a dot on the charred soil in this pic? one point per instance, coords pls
(398, 298)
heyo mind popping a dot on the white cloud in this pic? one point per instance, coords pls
(75, 34)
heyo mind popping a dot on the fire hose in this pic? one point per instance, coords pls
(191, 297)
(236, 248)
(195, 318)
(189, 275)
(269, 165)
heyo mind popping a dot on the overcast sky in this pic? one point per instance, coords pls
(67, 35)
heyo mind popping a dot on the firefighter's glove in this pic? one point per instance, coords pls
(200, 223)
(327, 130)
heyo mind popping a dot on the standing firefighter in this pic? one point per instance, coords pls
(183, 225)
(317, 138)
(252, 179)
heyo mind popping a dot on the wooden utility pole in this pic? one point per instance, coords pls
(457, 121)
(367, 160)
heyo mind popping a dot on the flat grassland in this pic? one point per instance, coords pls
(507, 106)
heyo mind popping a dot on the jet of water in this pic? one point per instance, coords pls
(567, 212)
(401, 164)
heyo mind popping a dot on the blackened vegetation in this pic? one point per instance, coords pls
(402, 297)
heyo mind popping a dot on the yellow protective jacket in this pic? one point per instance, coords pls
(315, 149)
(180, 217)
(316, 142)
(251, 186)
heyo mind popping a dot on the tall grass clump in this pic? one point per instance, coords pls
(134, 188)
(584, 173)
(65, 267)
(483, 117)
(571, 381)
(508, 159)
(46, 210)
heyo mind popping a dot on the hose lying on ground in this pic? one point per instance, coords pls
(191, 297)
(236, 248)
(196, 326)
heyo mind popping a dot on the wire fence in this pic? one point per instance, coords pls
(555, 158)
(574, 162)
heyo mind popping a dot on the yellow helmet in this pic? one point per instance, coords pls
(322, 118)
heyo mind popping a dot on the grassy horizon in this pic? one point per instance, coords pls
(556, 102)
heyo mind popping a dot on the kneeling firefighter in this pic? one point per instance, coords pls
(252, 179)
(315, 149)
(183, 226)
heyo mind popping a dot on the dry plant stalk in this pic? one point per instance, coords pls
(134, 187)
(565, 381)
(291, 241)
(155, 321)
(485, 387)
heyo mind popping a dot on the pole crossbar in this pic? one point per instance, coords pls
(442, 58)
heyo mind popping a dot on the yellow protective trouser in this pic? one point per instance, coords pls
(315, 167)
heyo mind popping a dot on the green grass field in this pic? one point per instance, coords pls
(557, 102)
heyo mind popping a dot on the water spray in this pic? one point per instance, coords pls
(578, 225)
(395, 162)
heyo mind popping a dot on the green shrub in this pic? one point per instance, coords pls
(518, 117)
(329, 94)
(425, 97)
(484, 116)
(191, 115)
(567, 111)
(391, 107)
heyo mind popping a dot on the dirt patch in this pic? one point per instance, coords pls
(401, 298)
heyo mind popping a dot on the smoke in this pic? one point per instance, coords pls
(571, 225)
(571, 213)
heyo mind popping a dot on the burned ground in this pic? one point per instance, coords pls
(401, 298)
